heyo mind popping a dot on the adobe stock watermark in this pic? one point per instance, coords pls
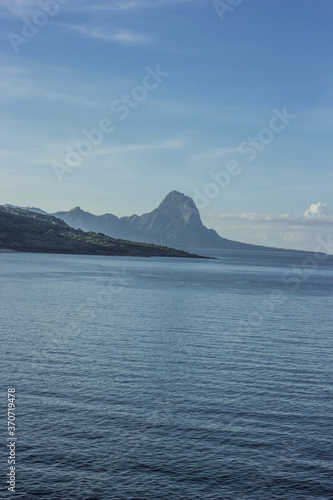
(31, 27)
(122, 108)
(221, 7)
(249, 148)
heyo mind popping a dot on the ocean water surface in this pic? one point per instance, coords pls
(168, 379)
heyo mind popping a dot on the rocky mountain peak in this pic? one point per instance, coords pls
(177, 206)
(175, 223)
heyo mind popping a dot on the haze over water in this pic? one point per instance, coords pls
(171, 379)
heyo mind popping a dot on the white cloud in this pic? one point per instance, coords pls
(317, 209)
(316, 214)
(281, 230)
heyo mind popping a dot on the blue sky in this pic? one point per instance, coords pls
(228, 69)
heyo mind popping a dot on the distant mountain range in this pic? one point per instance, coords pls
(175, 223)
(26, 230)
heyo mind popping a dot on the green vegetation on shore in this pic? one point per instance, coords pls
(27, 231)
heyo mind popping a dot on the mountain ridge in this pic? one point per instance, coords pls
(30, 231)
(176, 222)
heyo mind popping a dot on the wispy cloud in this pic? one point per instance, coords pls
(308, 220)
(212, 154)
(7, 69)
(195, 109)
(130, 5)
(19, 8)
(18, 83)
(171, 144)
(17, 89)
(123, 37)
(7, 154)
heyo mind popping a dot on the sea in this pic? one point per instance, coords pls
(167, 378)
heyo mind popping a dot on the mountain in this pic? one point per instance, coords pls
(176, 223)
(31, 231)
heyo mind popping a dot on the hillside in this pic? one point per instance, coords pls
(28, 231)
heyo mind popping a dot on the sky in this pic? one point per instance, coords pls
(110, 105)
